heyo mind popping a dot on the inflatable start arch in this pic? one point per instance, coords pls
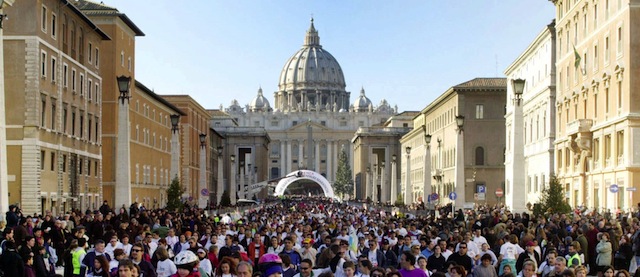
(304, 175)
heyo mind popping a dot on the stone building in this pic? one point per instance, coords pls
(53, 93)
(597, 159)
(530, 122)
(464, 162)
(312, 118)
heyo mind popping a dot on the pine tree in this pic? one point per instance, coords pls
(174, 193)
(225, 200)
(552, 199)
(344, 183)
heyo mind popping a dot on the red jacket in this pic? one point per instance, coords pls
(251, 251)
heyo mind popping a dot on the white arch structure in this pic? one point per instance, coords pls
(304, 175)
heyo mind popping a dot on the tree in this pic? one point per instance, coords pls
(552, 199)
(174, 193)
(343, 184)
(225, 200)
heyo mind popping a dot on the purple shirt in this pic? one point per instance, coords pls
(416, 272)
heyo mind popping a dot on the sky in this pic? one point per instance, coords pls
(407, 52)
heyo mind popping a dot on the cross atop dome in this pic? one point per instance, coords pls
(312, 38)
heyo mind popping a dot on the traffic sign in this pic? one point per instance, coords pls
(614, 188)
(204, 192)
(453, 195)
(631, 189)
(482, 189)
(499, 192)
(434, 196)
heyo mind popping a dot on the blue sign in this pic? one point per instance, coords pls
(482, 189)
(614, 188)
(453, 195)
(434, 196)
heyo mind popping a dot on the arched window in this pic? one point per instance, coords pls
(479, 155)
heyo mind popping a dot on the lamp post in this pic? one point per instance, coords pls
(367, 188)
(394, 180)
(408, 187)
(219, 188)
(123, 151)
(203, 191)
(381, 188)
(374, 184)
(426, 191)
(516, 196)
(4, 175)
(460, 186)
(232, 184)
(175, 147)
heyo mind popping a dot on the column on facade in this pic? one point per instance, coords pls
(232, 183)
(283, 160)
(384, 186)
(330, 161)
(242, 184)
(289, 157)
(301, 153)
(317, 156)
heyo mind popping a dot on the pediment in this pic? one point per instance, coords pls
(302, 127)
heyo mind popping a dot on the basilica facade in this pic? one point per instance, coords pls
(311, 121)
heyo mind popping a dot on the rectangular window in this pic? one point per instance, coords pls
(90, 53)
(43, 64)
(97, 57)
(595, 57)
(97, 92)
(53, 114)
(64, 119)
(606, 100)
(620, 41)
(129, 64)
(607, 147)
(80, 166)
(64, 163)
(43, 112)
(53, 164)
(53, 69)
(606, 50)
(89, 127)
(595, 105)
(73, 80)
(81, 85)
(595, 16)
(607, 9)
(81, 124)
(479, 111)
(97, 128)
(89, 90)
(620, 143)
(619, 95)
(88, 167)
(42, 159)
(65, 75)
(95, 168)
(54, 25)
(73, 123)
(44, 21)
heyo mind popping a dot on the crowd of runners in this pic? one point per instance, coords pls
(318, 237)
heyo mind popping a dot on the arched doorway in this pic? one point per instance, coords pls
(304, 175)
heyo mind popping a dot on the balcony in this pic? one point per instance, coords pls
(579, 126)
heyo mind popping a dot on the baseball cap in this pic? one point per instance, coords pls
(385, 241)
(531, 243)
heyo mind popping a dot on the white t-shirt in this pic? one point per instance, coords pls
(166, 268)
(510, 250)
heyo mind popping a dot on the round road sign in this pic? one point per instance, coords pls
(453, 195)
(614, 188)
(499, 192)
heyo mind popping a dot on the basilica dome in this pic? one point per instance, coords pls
(363, 103)
(311, 68)
(260, 103)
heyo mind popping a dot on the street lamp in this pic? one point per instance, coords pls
(460, 122)
(426, 190)
(408, 188)
(367, 188)
(232, 186)
(123, 87)
(123, 162)
(219, 188)
(203, 196)
(394, 190)
(175, 118)
(518, 89)
(380, 192)
(460, 185)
